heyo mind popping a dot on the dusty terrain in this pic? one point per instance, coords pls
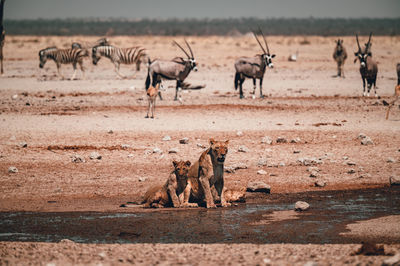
(59, 119)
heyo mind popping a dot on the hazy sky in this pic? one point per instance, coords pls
(132, 9)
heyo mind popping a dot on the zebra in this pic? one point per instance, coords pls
(118, 56)
(63, 56)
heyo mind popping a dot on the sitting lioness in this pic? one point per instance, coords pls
(207, 172)
(168, 194)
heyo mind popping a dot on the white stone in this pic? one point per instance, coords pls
(261, 172)
(173, 150)
(12, 169)
(239, 133)
(301, 206)
(184, 141)
(77, 159)
(394, 180)
(243, 148)
(367, 141)
(266, 140)
(157, 150)
(95, 155)
(166, 138)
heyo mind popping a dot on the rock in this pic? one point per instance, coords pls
(261, 172)
(367, 141)
(351, 163)
(366, 175)
(239, 133)
(312, 169)
(271, 164)
(67, 241)
(295, 140)
(282, 164)
(392, 261)
(281, 140)
(77, 159)
(184, 141)
(308, 161)
(310, 263)
(14, 97)
(296, 151)
(239, 166)
(301, 206)
(229, 169)
(200, 145)
(262, 162)
(266, 140)
(142, 179)
(173, 150)
(95, 155)
(345, 157)
(320, 183)
(258, 186)
(390, 160)
(166, 138)
(125, 146)
(157, 150)
(361, 136)
(12, 169)
(313, 173)
(394, 180)
(23, 144)
(110, 131)
(131, 155)
(351, 171)
(12, 138)
(243, 148)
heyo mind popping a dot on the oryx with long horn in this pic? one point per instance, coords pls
(253, 67)
(176, 69)
(368, 67)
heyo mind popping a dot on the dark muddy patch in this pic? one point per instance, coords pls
(327, 217)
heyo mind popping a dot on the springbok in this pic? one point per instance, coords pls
(151, 97)
(368, 67)
(253, 67)
(340, 56)
(177, 69)
(396, 92)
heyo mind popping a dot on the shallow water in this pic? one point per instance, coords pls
(327, 217)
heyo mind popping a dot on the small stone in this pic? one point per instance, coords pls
(266, 140)
(394, 180)
(147, 152)
(200, 145)
(131, 155)
(365, 175)
(312, 169)
(367, 141)
(166, 138)
(345, 157)
(157, 150)
(77, 159)
(295, 140)
(67, 241)
(261, 172)
(390, 160)
(351, 163)
(125, 146)
(282, 164)
(271, 164)
(23, 144)
(296, 151)
(301, 206)
(281, 140)
(142, 179)
(239, 133)
(184, 141)
(320, 183)
(392, 261)
(308, 161)
(310, 263)
(313, 173)
(15, 96)
(243, 148)
(239, 166)
(351, 171)
(173, 150)
(258, 186)
(262, 162)
(12, 169)
(12, 138)
(95, 155)
(361, 136)
(229, 169)
(110, 131)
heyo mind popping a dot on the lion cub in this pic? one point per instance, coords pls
(168, 194)
(151, 97)
(207, 173)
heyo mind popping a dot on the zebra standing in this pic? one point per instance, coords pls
(118, 56)
(340, 56)
(64, 56)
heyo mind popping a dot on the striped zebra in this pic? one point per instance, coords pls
(64, 56)
(117, 56)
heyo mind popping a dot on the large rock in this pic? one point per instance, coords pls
(301, 206)
(394, 180)
(258, 186)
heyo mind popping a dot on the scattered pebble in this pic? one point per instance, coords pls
(392, 261)
(200, 145)
(23, 144)
(258, 186)
(229, 169)
(351, 171)
(184, 141)
(313, 173)
(367, 141)
(239, 133)
(239, 166)
(351, 163)
(320, 183)
(125, 146)
(312, 169)
(243, 148)
(366, 175)
(12, 169)
(296, 151)
(301, 206)
(261, 172)
(394, 180)
(142, 179)
(131, 155)
(282, 164)
(173, 150)
(361, 136)
(110, 131)
(391, 160)
(77, 159)
(262, 162)
(295, 140)
(14, 97)
(166, 138)
(266, 140)
(67, 241)
(157, 150)
(345, 158)
(95, 155)
(281, 140)
(308, 161)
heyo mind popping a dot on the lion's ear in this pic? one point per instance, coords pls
(227, 142)
(212, 141)
(188, 163)
(175, 163)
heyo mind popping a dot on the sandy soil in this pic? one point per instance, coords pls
(59, 119)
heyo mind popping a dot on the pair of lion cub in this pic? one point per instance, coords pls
(199, 183)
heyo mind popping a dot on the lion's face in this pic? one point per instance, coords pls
(181, 168)
(219, 149)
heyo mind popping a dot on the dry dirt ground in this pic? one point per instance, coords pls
(61, 118)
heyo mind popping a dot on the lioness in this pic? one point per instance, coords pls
(207, 172)
(168, 194)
